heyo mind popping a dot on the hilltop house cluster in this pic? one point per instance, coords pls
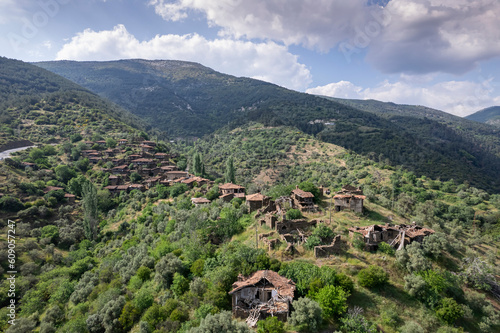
(141, 157)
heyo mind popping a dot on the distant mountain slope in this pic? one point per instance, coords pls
(40, 106)
(188, 99)
(489, 115)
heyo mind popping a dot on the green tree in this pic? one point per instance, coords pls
(307, 315)
(373, 276)
(293, 214)
(50, 231)
(64, 173)
(449, 310)
(270, 325)
(229, 175)
(197, 164)
(332, 300)
(220, 322)
(179, 285)
(89, 204)
(110, 143)
(135, 177)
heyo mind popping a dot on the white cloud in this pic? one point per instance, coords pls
(406, 36)
(266, 60)
(460, 98)
(427, 36)
(313, 23)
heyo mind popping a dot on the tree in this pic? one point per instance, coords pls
(220, 322)
(373, 276)
(270, 325)
(449, 310)
(135, 177)
(197, 164)
(293, 214)
(89, 204)
(355, 322)
(230, 173)
(50, 231)
(307, 315)
(64, 173)
(332, 300)
(110, 143)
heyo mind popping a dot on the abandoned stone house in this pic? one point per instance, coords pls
(397, 236)
(230, 188)
(200, 201)
(303, 200)
(350, 198)
(257, 201)
(264, 293)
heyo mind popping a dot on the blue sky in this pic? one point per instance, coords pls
(438, 53)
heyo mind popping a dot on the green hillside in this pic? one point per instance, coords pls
(41, 107)
(489, 116)
(157, 263)
(187, 99)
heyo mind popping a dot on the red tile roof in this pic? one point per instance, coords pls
(256, 197)
(285, 287)
(230, 186)
(302, 194)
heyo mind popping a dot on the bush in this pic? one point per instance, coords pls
(449, 310)
(307, 315)
(220, 322)
(11, 204)
(332, 300)
(293, 214)
(355, 322)
(144, 273)
(383, 247)
(373, 276)
(270, 325)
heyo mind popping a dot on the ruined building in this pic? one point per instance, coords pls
(396, 236)
(262, 294)
(303, 200)
(350, 198)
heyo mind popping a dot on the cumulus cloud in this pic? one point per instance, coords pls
(441, 96)
(266, 60)
(313, 23)
(410, 36)
(427, 36)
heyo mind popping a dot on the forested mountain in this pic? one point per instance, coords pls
(188, 99)
(489, 115)
(40, 106)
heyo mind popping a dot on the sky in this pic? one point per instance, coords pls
(444, 54)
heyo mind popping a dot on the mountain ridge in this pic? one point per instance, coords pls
(188, 99)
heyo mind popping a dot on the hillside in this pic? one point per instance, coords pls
(94, 257)
(489, 115)
(38, 106)
(188, 99)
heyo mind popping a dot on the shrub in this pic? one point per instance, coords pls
(270, 325)
(144, 273)
(332, 300)
(220, 322)
(355, 322)
(307, 315)
(372, 276)
(383, 247)
(293, 214)
(449, 310)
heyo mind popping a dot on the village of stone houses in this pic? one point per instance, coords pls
(127, 234)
